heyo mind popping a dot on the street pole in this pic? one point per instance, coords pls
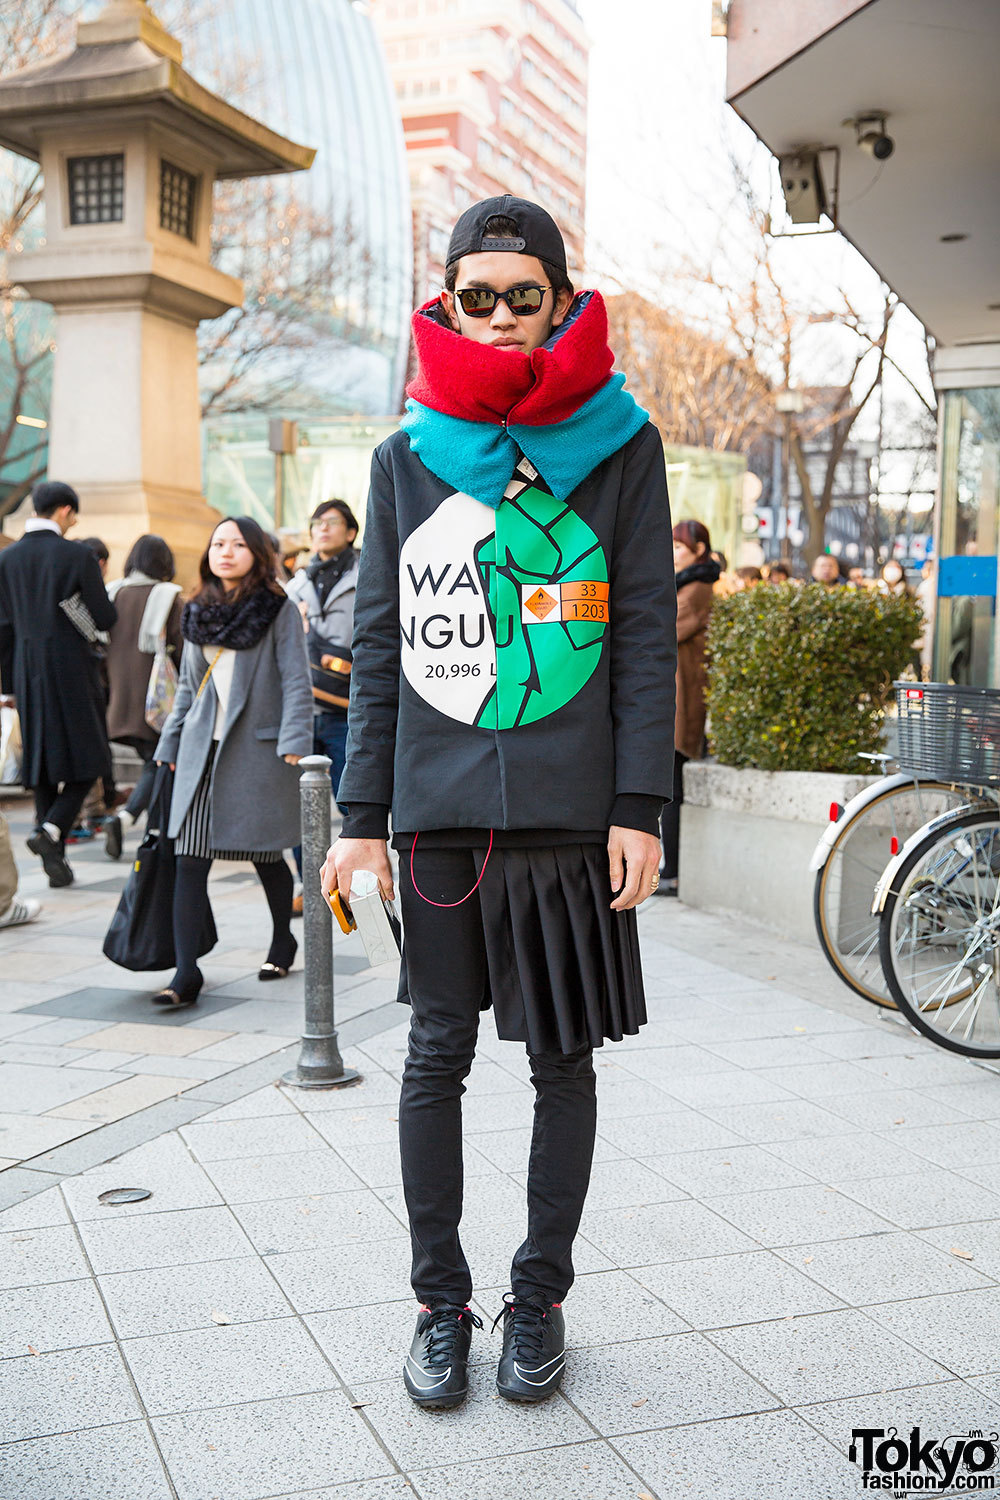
(320, 1064)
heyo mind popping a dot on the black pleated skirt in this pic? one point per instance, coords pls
(563, 969)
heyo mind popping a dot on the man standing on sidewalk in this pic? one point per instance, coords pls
(49, 667)
(513, 700)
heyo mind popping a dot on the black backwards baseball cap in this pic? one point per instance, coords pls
(537, 232)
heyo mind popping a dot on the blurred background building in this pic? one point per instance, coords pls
(493, 100)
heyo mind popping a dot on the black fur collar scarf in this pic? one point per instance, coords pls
(237, 626)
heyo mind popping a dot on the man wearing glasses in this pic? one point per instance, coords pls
(513, 703)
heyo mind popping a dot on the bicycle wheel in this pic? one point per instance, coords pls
(939, 935)
(842, 896)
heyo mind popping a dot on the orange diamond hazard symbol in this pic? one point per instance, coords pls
(540, 603)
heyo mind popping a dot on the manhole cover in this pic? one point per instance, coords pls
(115, 1196)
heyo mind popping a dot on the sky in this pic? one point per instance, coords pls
(659, 184)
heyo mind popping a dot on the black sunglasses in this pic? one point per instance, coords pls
(479, 301)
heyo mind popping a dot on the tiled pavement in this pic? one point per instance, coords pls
(791, 1232)
(88, 1067)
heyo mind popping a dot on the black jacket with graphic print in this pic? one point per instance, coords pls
(513, 669)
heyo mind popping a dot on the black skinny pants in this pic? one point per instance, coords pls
(61, 807)
(446, 976)
(191, 904)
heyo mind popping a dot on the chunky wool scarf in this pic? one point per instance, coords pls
(473, 410)
(236, 626)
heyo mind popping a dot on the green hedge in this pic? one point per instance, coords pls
(798, 676)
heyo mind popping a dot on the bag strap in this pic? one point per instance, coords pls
(211, 668)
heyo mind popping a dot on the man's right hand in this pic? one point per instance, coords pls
(348, 855)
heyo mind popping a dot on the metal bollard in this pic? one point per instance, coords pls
(320, 1064)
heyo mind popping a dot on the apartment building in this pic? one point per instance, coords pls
(493, 97)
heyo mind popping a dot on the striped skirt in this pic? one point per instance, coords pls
(193, 838)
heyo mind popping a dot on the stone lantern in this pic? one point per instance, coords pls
(130, 146)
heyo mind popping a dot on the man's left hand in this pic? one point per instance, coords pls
(634, 858)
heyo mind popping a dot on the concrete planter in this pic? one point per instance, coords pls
(747, 837)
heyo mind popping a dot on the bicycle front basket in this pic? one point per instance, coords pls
(950, 733)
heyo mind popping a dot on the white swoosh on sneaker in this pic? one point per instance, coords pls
(431, 1382)
(526, 1375)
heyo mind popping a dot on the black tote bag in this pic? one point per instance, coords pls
(141, 935)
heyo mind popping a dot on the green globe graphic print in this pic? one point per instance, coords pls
(546, 578)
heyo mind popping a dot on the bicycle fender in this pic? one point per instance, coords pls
(828, 837)
(888, 875)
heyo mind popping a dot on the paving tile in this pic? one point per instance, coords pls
(947, 1407)
(887, 1109)
(498, 1111)
(257, 1179)
(40, 1054)
(270, 1017)
(575, 1471)
(370, 1343)
(268, 1448)
(626, 1098)
(623, 1184)
(721, 1290)
(63, 1315)
(776, 1454)
(489, 1249)
(862, 1154)
(30, 1090)
(182, 1237)
(981, 1240)
(378, 1125)
(182, 1372)
(57, 1032)
(480, 1428)
(979, 1097)
(819, 1080)
(784, 1120)
(823, 1356)
(27, 963)
(343, 1277)
(114, 1463)
(244, 1048)
(884, 1267)
(139, 1037)
(890, 1037)
(662, 1231)
(64, 1391)
(726, 1169)
(959, 1329)
(230, 1140)
(927, 1068)
(972, 1142)
(770, 1052)
(31, 1257)
(111, 1003)
(394, 1488)
(603, 1307)
(734, 1086)
(378, 1164)
(163, 1165)
(316, 1220)
(488, 1199)
(16, 1024)
(658, 1383)
(36, 1212)
(25, 1136)
(172, 1299)
(376, 1087)
(126, 1097)
(107, 1061)
(788, 1216)
(680, 1130)
(260, 1103)
(919, 1200)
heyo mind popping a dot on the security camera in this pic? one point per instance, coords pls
(870, 134)
(877, 144)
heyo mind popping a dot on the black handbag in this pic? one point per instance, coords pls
(141, 934)
(330, 667)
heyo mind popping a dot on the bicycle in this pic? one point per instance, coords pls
(860, 839)
(938, 901)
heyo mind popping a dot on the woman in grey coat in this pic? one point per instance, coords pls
(241, 721)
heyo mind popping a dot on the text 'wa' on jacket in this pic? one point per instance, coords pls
(45, 661)
(513, 664)
(255, 794)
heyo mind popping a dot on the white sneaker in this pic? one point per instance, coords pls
(20, 910)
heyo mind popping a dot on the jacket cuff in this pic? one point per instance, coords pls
(365, 820)
(635, 810)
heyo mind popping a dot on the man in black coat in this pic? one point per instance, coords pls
(47, 664)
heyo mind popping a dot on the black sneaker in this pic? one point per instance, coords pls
(113, 836)
(534, 1338)
(52, 856)
(436, 1372)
